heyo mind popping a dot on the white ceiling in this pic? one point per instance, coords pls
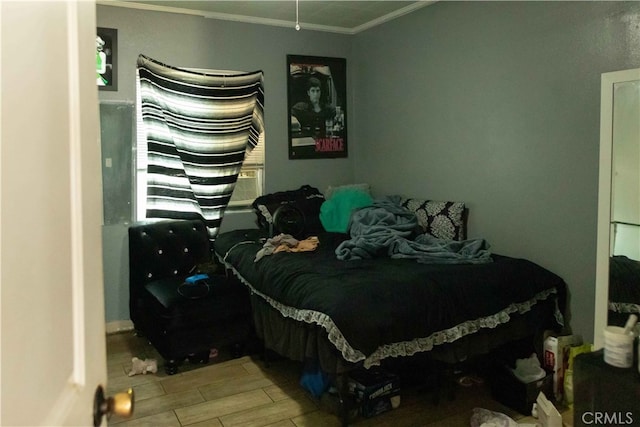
(324, 15)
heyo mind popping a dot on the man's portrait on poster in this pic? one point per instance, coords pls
(317, 107)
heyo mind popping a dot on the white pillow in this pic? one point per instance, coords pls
(331, 190)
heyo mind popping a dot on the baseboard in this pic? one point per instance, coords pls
(118, 326)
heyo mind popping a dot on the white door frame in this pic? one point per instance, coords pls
(52, 313)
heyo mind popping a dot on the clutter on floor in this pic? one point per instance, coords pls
(555, 360)
(546, 412)
(376, 390)
(519, 388)
(469, 380)
(481, 417)
(143, 366)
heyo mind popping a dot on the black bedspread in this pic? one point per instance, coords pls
(624, 285)
(379, 306)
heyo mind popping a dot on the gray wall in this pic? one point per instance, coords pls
(190, 41)
(497, 104)
(492, 103)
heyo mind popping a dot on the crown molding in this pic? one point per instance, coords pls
(393, 15)
(267, 21)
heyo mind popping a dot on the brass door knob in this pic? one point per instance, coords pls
(121, 404)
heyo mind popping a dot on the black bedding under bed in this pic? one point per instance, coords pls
(346, 314)
(624, 289)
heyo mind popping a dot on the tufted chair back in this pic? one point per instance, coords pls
(162, 250)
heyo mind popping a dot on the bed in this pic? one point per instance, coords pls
(624, 289)
(358, 312)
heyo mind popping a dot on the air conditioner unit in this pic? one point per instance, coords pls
(248, 187)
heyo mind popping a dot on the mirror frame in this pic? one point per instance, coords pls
(603, 249)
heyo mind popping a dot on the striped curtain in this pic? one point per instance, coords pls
(198, 128)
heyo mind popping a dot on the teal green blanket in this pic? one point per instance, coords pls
(336, 211)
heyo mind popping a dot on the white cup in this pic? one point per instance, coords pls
(618, 347)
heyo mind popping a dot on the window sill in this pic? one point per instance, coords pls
(238, 210)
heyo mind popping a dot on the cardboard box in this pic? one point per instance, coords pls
(556, 359)
(375, 389)
(387, 402)
(507, 389)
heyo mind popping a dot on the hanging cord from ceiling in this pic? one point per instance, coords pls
(297, 20)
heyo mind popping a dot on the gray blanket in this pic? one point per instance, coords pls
(385, 228)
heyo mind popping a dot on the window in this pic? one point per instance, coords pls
(206, 111)
(250, 182)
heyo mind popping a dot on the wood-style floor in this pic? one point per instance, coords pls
(244, 392)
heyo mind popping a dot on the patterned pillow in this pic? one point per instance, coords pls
(444, 220)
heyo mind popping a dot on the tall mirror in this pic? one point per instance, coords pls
(618, 254)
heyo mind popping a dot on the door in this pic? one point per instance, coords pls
(52, 313)
(618, 190)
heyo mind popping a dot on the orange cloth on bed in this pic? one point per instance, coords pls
(286, 243)
(306, 245)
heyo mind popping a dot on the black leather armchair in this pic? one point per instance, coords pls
(182, 321)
